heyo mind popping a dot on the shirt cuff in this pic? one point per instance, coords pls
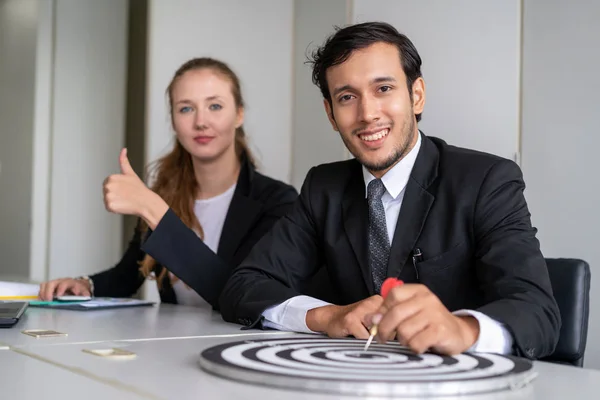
(493, 336)
(291, 314)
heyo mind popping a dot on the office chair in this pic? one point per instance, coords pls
(570, 279)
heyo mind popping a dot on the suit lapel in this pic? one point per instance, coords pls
(415, 207)
(355, 217)
(413, 213)
(242, 214)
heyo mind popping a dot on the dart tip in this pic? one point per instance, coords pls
(368, 343)
(372, 334)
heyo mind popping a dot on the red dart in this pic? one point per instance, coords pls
(388, 285)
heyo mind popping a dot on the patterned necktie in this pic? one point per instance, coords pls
(379, 243)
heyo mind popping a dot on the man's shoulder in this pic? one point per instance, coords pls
(451, 152)
(346, 167)
(463, 162)
(335, 174)
(267, 189)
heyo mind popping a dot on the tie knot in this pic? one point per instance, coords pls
(375, 189)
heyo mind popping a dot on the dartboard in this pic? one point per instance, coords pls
(342, 366)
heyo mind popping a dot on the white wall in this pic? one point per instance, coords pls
(314, 141)
(18, 22)
(254, 38)
(42, 128)
(88, 107)
(472, 80)
(560, 136)
(470, 52)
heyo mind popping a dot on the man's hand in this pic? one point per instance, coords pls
(342, 321)
(421, 322)
(126, 193)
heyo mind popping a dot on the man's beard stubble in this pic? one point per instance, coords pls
(399, 152)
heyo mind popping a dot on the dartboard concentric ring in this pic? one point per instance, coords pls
(341, 366)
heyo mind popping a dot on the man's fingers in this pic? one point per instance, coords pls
(372, 319)
(403, 293)
(396, 316)
(358, 330)
(373, 301)
(424, 340)
(395, 296)
(412, 326)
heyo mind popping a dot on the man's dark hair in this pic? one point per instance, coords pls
(339, 46)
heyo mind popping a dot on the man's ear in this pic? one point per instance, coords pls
(329, 111)
(418, 95)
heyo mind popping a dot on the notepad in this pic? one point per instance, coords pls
(96, 303)
(18, 291)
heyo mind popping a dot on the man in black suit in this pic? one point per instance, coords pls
(451, 223)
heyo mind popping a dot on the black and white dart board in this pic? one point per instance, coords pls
(341, 366)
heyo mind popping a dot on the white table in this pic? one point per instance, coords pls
(169, 369)
(163, 321)
(23, 377)
(168, 340)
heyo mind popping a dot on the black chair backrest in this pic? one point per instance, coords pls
(570, 280)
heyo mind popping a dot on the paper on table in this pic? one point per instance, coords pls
(18, 289)
(97, 302)
(110, 301)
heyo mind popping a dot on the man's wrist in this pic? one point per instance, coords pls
(318, 318)
(469, 327)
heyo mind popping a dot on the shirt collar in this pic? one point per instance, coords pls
(396, 178)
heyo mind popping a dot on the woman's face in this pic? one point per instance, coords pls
(204, 114)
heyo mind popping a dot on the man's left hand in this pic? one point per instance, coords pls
(419, 320)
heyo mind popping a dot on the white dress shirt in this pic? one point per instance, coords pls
(291, 314)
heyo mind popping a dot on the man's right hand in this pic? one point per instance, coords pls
(58, 287)
(342, 321)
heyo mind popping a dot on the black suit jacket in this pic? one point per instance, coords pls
(464, 209)
(257, 203)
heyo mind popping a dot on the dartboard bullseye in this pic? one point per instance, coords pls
(341, 366)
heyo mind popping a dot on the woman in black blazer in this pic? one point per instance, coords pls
(208, 205)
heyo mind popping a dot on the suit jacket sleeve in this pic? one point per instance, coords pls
(182, 252)
(511, 269)
(124, 279)
(285, 258)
